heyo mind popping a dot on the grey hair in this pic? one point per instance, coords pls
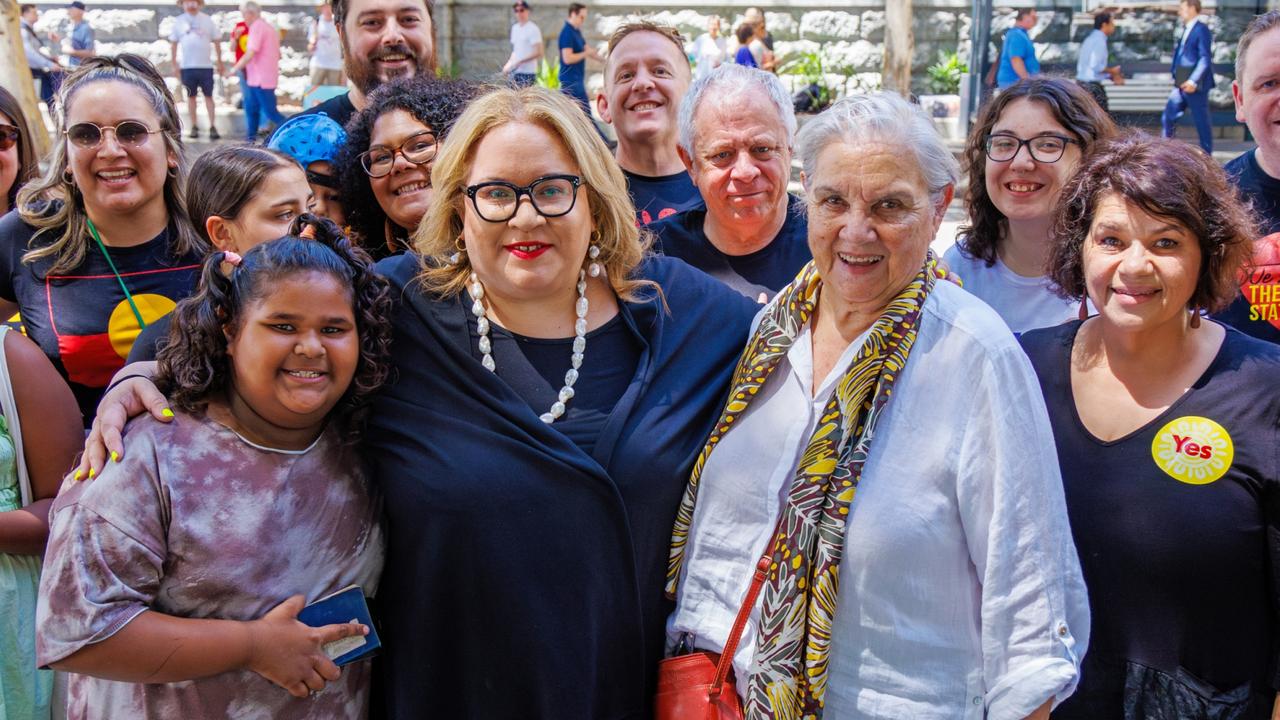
(251, 6)
(887, 119)
(732, 79)
(1259, 25)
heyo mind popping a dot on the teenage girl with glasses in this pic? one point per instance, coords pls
(102, 246)
(1023, 150)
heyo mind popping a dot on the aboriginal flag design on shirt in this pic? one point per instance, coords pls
(81, 318)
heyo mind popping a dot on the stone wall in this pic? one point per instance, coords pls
(472, 34)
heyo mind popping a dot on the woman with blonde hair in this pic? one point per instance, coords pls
(101, 245)
(553, 386)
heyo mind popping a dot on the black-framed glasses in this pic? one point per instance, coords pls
(9, 136)
(1043, 148)
(129, 133)
(551, 195)
(419, 148)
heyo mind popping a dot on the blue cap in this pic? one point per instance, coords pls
(308, 138)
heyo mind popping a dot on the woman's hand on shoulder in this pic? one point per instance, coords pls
(291, 654)
(131, 394)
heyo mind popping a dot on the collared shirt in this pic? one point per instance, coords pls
(960, 591)
(1093, 57)
(81, 37)
(34, 49)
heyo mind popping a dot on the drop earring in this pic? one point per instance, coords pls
(1195, 317)
(595, 269)
(1084, 308)
(456, 257)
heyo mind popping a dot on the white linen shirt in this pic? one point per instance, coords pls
(195, 35)
(960, 590)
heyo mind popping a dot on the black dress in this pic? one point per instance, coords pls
(1178, 530)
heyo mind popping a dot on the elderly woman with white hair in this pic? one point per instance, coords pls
(886, 450)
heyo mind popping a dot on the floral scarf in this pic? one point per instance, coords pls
(799, 597)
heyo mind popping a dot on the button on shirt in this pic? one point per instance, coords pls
(960, 591)
(1093, 57)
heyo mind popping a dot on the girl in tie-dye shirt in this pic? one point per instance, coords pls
(172, 582)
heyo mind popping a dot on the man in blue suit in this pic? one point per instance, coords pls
(1192, 75)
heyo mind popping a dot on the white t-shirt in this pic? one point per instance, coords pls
(526, 39)
(707, 53)
(195, 35)
(328, 54)
(960, 593)
(1025, 303)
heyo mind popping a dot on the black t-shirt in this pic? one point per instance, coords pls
(535, 369)
(658, 197)
(338, 107)
(1256, 310)
(766, 270)
(81, 318)
(1178, 530)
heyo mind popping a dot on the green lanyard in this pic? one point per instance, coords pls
(127, 295)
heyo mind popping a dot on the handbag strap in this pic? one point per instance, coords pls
(9, 407)
(744, 613)
(740, 624)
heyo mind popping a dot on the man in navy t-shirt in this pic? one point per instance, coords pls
(1256, 310)
(574, 52)
(646, 74)
(751, 235)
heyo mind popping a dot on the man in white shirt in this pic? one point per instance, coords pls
(191, 39)
(1091, 67)
(526, 47)
(325, 49)
(708, 50)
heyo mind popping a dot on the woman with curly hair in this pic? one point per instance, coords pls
(384, 170)
(1166, 424)
(172, 584)
(1023, 150)
(101, 245)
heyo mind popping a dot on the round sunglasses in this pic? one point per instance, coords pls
(129, 133)
(9, 136)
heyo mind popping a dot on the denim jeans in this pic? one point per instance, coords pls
(259, 103)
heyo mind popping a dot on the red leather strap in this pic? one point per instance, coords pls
(739, 624)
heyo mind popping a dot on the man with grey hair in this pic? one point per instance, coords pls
(1257, 174)
(736, 128)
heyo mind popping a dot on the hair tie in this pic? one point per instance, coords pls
(231, 258)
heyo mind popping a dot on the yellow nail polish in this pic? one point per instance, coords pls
(115, 456)
(78, 474)
(167, 412)
(92, 472)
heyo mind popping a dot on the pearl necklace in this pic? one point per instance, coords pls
(476, 291)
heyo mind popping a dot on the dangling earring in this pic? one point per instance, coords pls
(460, 248)
(1195, 317)
(595, 269)
(1084, 308)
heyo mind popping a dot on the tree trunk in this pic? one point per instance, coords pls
(899, 43)
(15, 75)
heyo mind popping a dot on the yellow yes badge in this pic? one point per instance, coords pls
(1194, 450)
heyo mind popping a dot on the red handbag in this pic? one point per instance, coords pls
(697, 686)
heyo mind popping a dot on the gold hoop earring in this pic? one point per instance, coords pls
(68, 178)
